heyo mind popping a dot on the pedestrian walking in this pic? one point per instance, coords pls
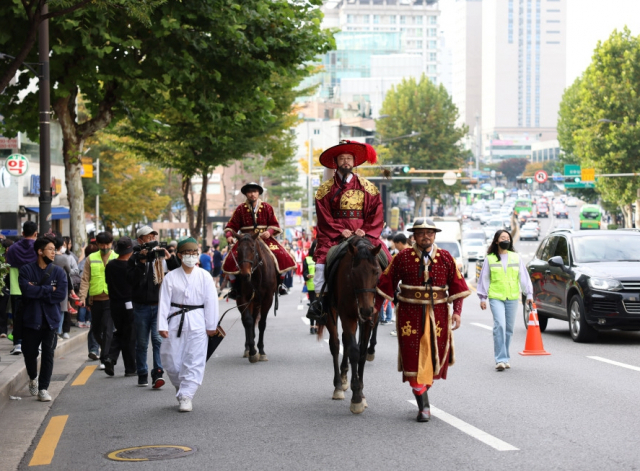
(43, 286)
(308, 273)
(502, 277)
(187, 315)
(121, 298)
(217, 263)
(429, 308)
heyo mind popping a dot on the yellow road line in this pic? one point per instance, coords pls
(47, 446)
(83, 377)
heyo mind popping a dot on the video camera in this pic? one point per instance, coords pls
(153, 250)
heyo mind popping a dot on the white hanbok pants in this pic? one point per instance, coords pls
(184, 359)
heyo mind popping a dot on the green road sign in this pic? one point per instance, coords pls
(570, 170)
(580, 185)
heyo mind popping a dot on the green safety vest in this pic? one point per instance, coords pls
(311, 265)
(504, 285)
(98, 281)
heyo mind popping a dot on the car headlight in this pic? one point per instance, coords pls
(606, 284)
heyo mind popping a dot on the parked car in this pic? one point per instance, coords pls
(590, 279)
(474, 249)
(454, 248)
(560, 211)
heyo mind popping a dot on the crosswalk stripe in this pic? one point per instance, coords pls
(482, 325)
(616, 363)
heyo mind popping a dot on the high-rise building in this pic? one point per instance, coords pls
(523, 66)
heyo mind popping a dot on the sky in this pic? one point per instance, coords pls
(588, 21)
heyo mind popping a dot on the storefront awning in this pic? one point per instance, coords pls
(57, 212)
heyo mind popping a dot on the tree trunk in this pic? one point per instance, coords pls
(201, 218)
(186, 196)
(638, 209)
(418, 197)
(627, 215)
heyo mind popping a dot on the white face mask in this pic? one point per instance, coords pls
(190, 260)
(62, 250)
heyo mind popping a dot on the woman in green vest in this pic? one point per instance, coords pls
(502, 277)
(308, 272)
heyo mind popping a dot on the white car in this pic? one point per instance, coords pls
(492, 226)
(572, 202)
(530, 231)
(453, 247)
(474, 249)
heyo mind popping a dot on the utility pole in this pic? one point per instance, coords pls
(45, 120)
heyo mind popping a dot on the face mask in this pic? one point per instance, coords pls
(62, 250)
(504, 245)
(46, 259)
(105, 251)
(190, 260)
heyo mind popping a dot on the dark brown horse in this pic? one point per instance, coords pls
(256, 285)
(353, 298)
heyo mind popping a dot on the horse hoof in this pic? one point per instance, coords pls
(357, 408)
(246, 354)
(370, 356)
(264, 358)
(345, 385)
(254, 358)
(364, 401)
(338, 395)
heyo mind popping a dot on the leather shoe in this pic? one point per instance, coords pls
(282, 291)
(108, 366)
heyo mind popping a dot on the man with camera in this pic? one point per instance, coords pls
(145, 272)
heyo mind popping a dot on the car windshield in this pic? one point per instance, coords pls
(496, 223)
(475, 235)
(473, 242)
(450, 247)
(606, 249)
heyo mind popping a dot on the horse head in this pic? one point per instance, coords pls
(248, 257)
(365, 273)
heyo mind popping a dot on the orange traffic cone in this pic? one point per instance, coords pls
(533, 344)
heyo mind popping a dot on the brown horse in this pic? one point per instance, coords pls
(256, 285)
(352, 299)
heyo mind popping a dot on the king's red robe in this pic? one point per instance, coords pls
(242, 221)
(417, 358)
(356, 205)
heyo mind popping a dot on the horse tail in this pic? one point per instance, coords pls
(320, 332)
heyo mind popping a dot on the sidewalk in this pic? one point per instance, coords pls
(13, 373)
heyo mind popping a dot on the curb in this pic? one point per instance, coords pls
(15, 377)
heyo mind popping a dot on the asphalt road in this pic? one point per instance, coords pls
(563, 411)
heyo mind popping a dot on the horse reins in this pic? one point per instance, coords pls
(361, 290)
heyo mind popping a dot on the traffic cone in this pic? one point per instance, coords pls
(533, 344)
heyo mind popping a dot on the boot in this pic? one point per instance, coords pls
(424, 412)
(317, 309)
(282, 290)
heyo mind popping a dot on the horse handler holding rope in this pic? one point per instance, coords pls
(256, 216)
(346, 205)
(187, 315)
(429, 307)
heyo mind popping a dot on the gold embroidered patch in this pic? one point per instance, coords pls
(406, 330)
(419, 295)
(413, 253)
(417, 260)
(324, 189)
(459, 275)
(352, 199)
(368, 186)
(438, 329)
(273, 247)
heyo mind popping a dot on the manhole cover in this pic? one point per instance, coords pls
(150, 453)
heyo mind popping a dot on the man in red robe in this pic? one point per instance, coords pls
(429, 307)
(256, 216)
(347, 204)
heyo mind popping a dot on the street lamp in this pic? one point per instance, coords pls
(44, 210)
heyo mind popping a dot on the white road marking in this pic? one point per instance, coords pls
(470, 430)
(327, 340)
(616, 363)
(305, 320)
(482, 325)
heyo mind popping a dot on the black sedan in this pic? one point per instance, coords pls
(590, 279)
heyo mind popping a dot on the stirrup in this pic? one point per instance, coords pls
(282, 291)
(316, 312)
(232, 294)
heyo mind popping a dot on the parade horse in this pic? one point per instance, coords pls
(352, 299)
(256, 284)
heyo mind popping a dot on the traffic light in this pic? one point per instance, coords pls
(572, 179)
(406, 169)
(401, 170)
(529, 180)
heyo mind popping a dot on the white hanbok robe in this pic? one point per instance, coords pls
(184, 357)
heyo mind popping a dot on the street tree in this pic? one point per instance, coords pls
(28, 15)
(511, 168)
(598, 121)
(421, 133)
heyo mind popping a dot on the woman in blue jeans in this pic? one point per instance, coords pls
(503, 276)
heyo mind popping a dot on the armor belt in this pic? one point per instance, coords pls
(421, 295)
(348, 214)
(183, 309)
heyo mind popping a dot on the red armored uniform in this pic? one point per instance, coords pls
(355, 205)
(242, 221)
(417, 360)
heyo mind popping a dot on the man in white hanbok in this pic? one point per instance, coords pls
(187, 315)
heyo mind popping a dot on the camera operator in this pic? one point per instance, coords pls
(145, 271)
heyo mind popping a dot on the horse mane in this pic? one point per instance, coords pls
(363, 249)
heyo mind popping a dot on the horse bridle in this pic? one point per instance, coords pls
(362, 290)
(255, 263)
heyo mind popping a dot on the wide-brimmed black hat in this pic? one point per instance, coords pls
(251, 186)
(423, 223)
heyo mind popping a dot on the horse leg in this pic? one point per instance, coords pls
(334, 347)
(344, 366)
(262, 325)
(357, 404)
(371, 352)
(365, 333)
(250, 336)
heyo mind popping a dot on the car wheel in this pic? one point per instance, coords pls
(542, 320)
(578, 328)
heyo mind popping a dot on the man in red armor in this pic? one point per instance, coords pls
(256, 216)
(347, 204)
(429, 307)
